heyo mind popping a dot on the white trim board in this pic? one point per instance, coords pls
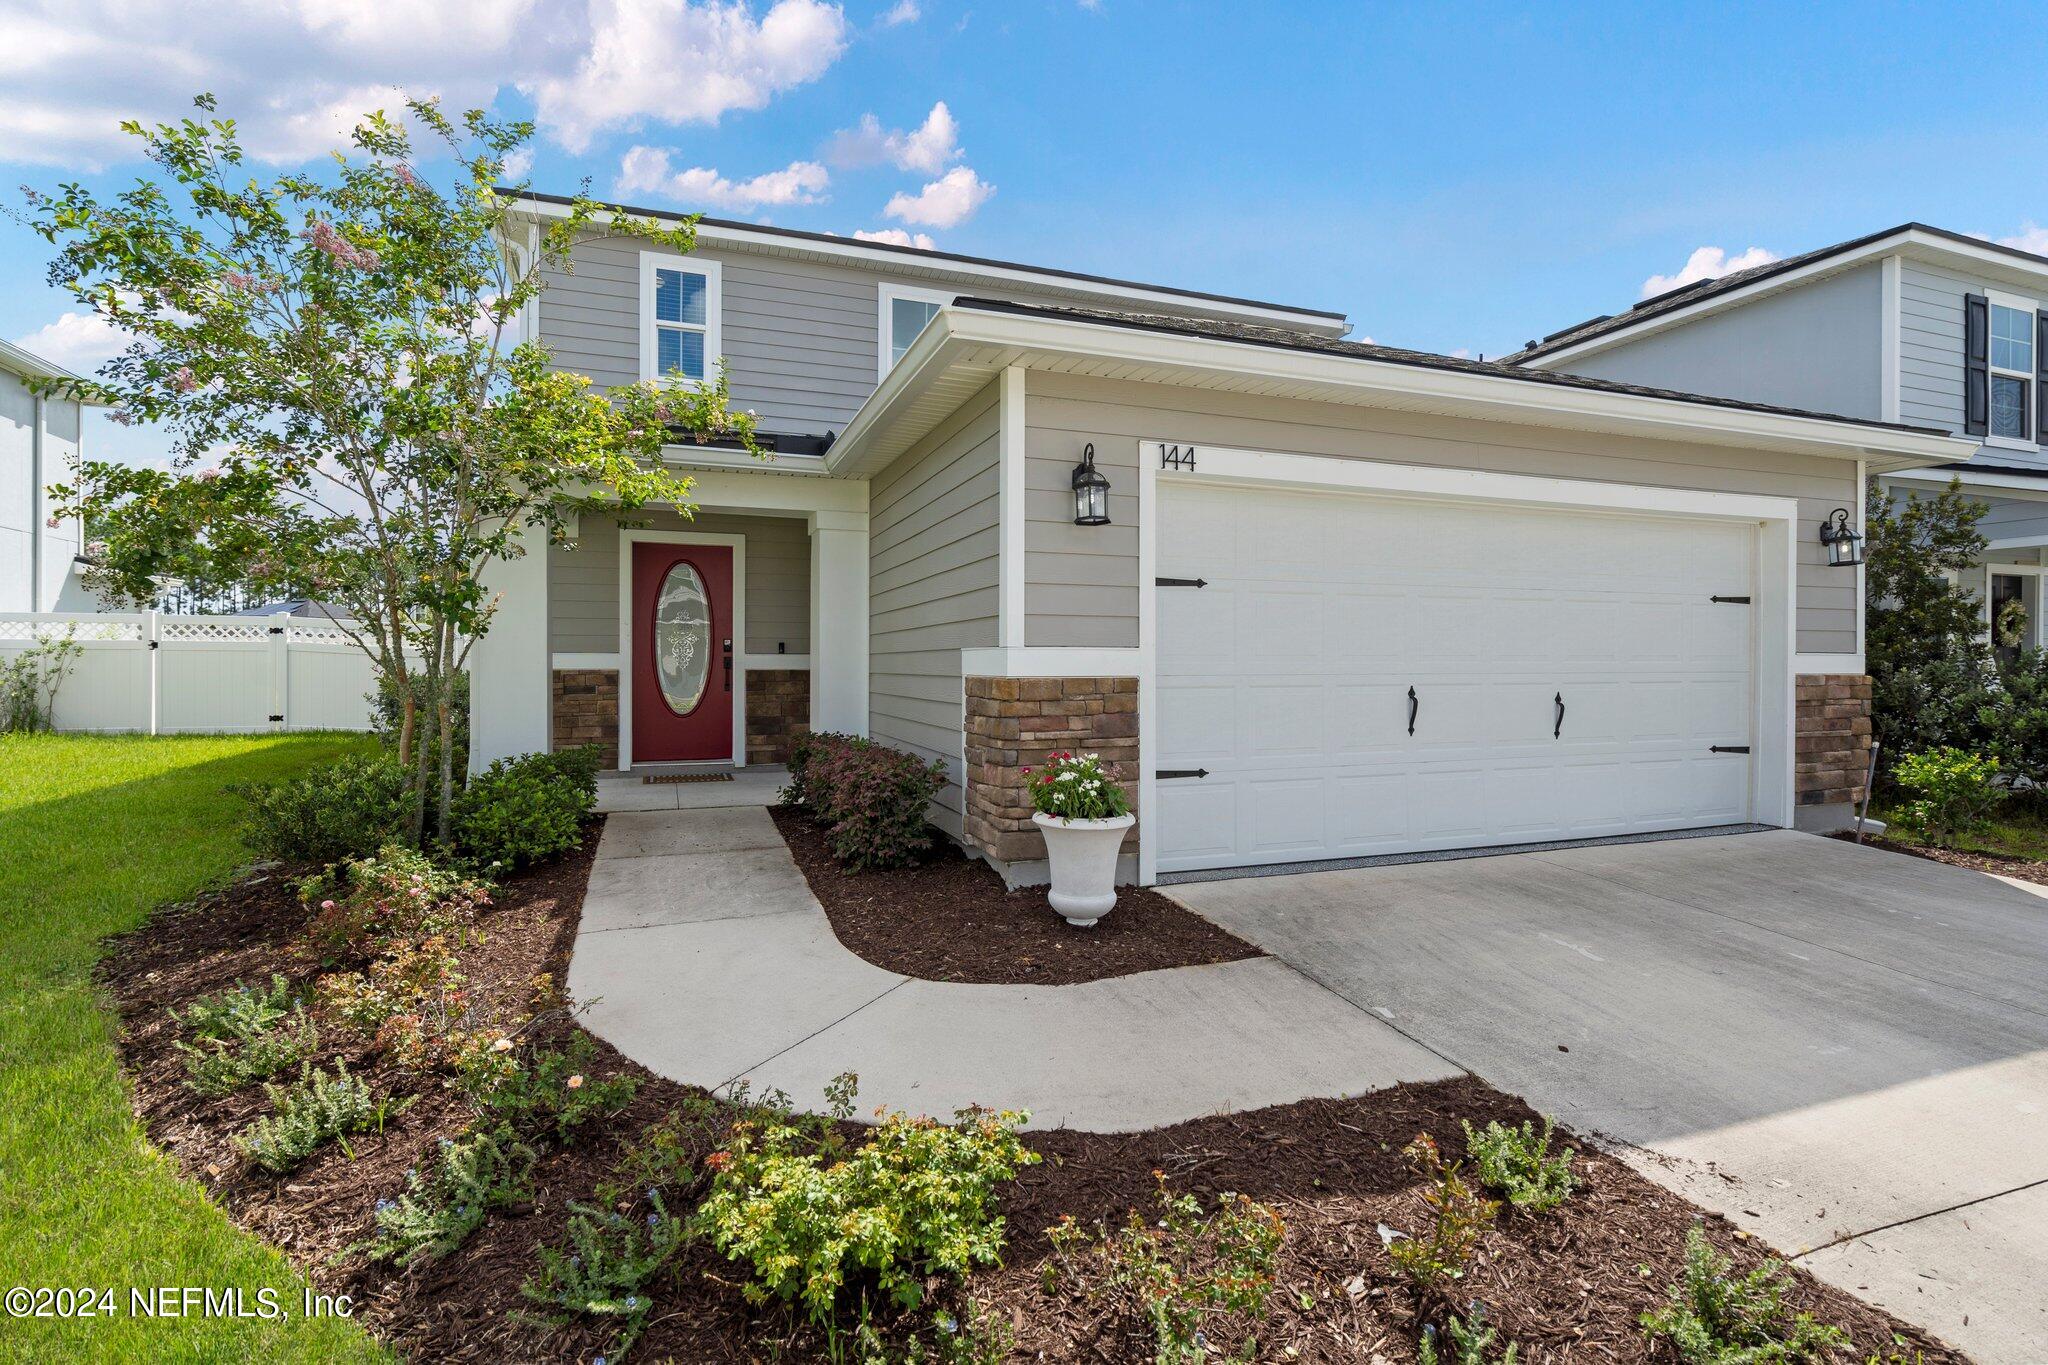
(628, 538)
(1050, 661)
(1805, 664)
(885, 325)
(1010, 508)
(1772, 799)
(714, 301)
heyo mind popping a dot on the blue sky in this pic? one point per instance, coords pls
(1453, 178)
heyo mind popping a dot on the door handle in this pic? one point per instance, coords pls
(1558, 729)
(1414, 708)
(728, 665)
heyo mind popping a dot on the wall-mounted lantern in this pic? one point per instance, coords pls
(1091, 491)
(1845, 545)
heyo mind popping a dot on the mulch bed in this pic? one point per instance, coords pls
(2020, 869)
(1568, 1286)
(950, 919)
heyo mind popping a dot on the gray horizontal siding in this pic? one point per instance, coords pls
(1082, 586)
(1931, 354)
(1816, 347)
(2012, 518)
(932, 583)
(583, 581)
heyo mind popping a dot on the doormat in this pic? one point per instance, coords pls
(653, 778)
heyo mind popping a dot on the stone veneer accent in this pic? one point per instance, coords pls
(778, 710)
(1834, 738)
(1012, 724)
(586, 703)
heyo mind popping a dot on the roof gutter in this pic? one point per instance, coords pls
(987, 342)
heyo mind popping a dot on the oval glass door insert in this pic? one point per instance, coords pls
(682, 639)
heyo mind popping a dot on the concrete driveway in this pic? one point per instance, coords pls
(1844, 1050)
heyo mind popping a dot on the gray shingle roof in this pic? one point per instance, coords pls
(1687, 295)
(1253, 334)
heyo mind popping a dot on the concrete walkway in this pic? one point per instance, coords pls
(704, 957)
(1844, 1050)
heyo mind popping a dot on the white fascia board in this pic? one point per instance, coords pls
(2017, 485)
(855, 251)
(1482, 396)
(1919, 244)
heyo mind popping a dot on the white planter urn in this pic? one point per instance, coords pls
(1083, 855)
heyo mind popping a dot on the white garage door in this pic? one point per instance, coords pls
(1566, 675)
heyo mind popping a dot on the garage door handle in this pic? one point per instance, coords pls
(1414, 708)
(1558, 729)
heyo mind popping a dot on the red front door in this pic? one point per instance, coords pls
(682, 653)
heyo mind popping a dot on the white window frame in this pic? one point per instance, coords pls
(714, 298)
(885, 331)
(1993, 372)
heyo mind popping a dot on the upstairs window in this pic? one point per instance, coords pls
(679, 306)
(2012, 371)
(905, 313)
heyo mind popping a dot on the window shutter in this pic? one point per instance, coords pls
(2040, 377)
(1976, 365)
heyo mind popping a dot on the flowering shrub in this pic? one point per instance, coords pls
(916, 1199)
(438, 1211)
(1183, 1272)
(612, 1255)
(413, 1004)
(871, 798)
(367, 902)
(1077, 787)
(552, 1094)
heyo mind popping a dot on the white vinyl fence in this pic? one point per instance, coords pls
(160, 674)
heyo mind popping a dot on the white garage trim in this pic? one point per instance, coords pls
(1776, 519)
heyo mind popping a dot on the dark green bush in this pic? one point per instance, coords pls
(343, 810)
(871, 798)
(522, 810)
(388, 716)
(2014, 718)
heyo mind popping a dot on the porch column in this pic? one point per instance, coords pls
(839, 622)
(508, 667)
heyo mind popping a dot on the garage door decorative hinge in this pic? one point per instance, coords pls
(1728, 748)
(1168, 774)
(1181, 582)
(1739, 601)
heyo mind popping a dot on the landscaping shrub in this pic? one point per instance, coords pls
(611, 1257)
(1466, 1343)
(552, 1094)
(1078, 787)
(309, 1114)
(29, 682)
(1181, 1271)
(368, 902)
(2014, 718)
(439, 1210)
(914, 1200)
(387, 717)
(1924, 646)
(241, 1011)
(1954, 793)
(1713, 1318)
(522, 810)
(348, 809)
(1516, 1164)
(217, 1067)
(1460, 1217)
(871, 798)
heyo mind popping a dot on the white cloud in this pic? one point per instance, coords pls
(1707, 263)
(645, 170)
(902, 12)
(897, 237)
(2033, 237)
(518, 165)
(80, 342)
(926, 148)
(296, 74)
(946, 202)
(680, 62)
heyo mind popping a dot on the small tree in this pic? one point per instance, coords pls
(353, 416)
(1924, 643)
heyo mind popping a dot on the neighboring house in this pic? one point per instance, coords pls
(41, 442)
(1341, 600)
(1914, 324)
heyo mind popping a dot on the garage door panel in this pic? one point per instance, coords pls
(1287, 677)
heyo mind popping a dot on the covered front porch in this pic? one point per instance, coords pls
(770, 641)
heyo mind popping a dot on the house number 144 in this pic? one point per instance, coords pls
(1176, 457)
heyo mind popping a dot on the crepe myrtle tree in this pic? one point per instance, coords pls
(352, 416)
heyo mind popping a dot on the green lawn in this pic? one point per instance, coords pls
(94, 831)
(2019, 830)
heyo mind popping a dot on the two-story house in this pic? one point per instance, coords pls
(41, 439)
(1914, 324)
(1322, 600)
